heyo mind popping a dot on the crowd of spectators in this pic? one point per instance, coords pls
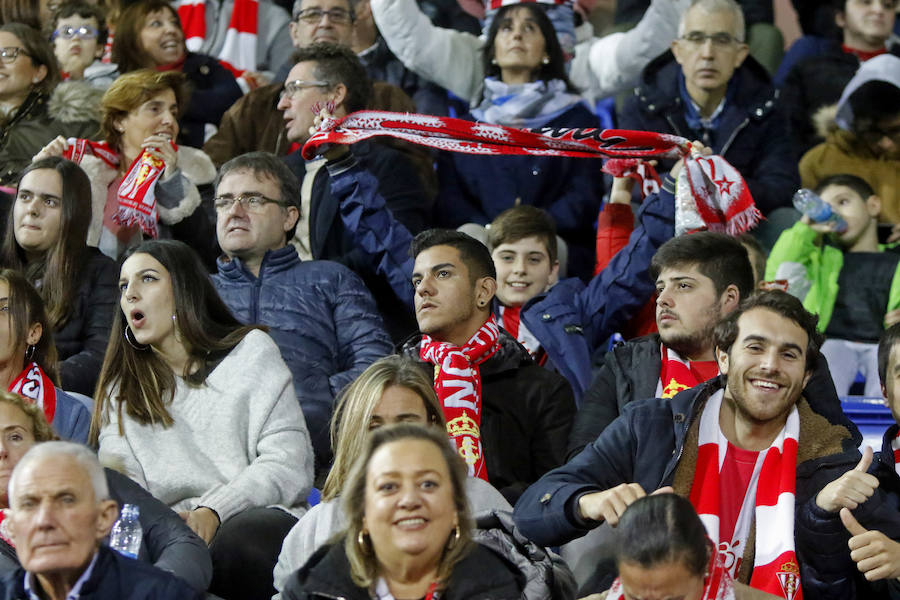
(391, 371)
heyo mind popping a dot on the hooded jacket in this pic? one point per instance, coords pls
(71, 110)
(843, 152)
(750, 133)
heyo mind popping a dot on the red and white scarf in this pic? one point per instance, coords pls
(716, 192)
(137, 192)
(457, 383)
(769, 501)
(238, 53)
(639, 170)
(895, 446)
(512, 323)
(717, 584)
(34, 385)
(675, 374)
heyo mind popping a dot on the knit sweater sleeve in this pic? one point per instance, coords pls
(281, 469)
(115, 450)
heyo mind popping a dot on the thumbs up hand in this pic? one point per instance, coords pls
(850, 489)
(876, 555)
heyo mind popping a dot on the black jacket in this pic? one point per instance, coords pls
(480, 575)
(404, 195)
(526, 415)
(81, 342)
(750, 133)
(631, 371)
(114, 577)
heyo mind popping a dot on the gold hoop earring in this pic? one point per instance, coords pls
(361, 542)
(455, 539)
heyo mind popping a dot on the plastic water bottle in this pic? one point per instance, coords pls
(127, 532)
(811, 205)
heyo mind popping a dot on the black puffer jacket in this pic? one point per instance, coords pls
(750, 133)
(81, 342)
(526, 414)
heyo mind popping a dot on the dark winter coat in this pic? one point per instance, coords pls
(114, 577)
(475, 189)
(631, 371)
(483, 574)
(321, 316)
(750, 133)
(70, 111)
(648, 442)
(213, 90)
(402, 190)
(526, 413)
(81, 343)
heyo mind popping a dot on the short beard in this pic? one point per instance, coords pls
(696, 343)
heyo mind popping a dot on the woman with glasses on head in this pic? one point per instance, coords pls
(149, 36)
(46, 232)
(140, 121)
(34, 106)
(79, 39)
(201, 411)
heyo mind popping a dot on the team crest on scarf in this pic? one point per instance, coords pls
(789, 578)
(457, 383)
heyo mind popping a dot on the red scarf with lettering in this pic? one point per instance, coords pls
(717, 197)
(717, 584)
(34, 385)
(137, 192)
(457, 383)
(769, 501)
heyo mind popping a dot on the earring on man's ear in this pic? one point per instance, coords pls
(493, 61)
(546, 60)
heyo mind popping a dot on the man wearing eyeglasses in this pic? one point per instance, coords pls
(708, 88)
(319, 313)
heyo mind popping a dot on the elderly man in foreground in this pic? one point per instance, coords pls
(60, 513)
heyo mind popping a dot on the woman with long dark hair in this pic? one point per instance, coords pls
(201, 411)
(46, 232)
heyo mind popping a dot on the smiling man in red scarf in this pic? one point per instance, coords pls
(746, 449)
(508, 417)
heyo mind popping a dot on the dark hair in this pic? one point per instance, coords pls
(25, 309)
(872, 102)
(142, 382)
(338, 64)
(662, 528)
(520, 222)
(363, 563)
(23, 12)
(554, 69)
(127, 50)
(266, 164)
(38, 51)
(857, 184)
(715, 255)
(297, 7)
(85, 10)
(889, 339)
(129, 91)
(782, 304)
(473, 253)
(59, 270)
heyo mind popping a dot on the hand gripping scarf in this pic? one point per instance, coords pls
(769, 500)
(719, 196)
(717, 584)
(457, 383)
(137, 192)
(34, 385)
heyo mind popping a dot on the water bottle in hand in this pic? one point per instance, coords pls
(127, 533)
(811, 205)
